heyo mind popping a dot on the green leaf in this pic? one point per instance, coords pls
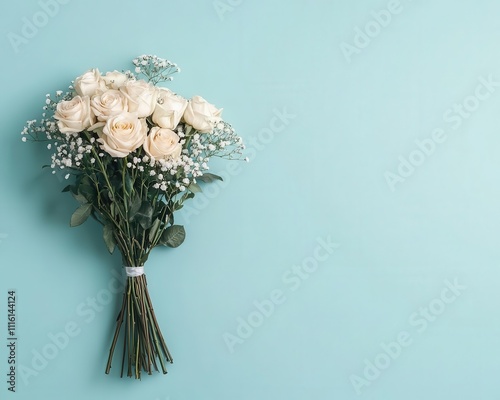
(194, 188)
(134, 208)
(81, 214)
(87, 191)
(186, 196)
(80, 198)
(207, 177)
(129, 185)
(66, 189)
(144, 215)
(173, 236)
(109, 238)
(154, 230)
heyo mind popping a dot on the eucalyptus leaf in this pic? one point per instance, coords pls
(80, 198)
(154, 230)
(144, 215)
(86, 190)
(129, 184)
(134, 207)
(207, 177)
(173, 236)
(194, 188)
(109, 238)
(186, 196)
(81, 214)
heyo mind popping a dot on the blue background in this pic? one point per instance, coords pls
(324, 175)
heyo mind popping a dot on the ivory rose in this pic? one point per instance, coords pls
(109, 103)
(169, 109)
(141, 97)
(201, 115)
(115, 79)
(89, 83)
(122, 134)
(162, 143)
(74, 115)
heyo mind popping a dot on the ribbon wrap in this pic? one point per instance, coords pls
(133, 272)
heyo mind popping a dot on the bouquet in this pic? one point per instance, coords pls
(133, 153)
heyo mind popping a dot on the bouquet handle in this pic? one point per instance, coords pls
(143, 342)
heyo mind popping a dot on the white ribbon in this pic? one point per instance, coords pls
(134, 271)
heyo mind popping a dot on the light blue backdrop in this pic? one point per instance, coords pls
(355, 256)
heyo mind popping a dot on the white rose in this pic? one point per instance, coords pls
(89, 83)
(141, 97)
(169, 109)
(115, 79)
(122, 134)
(74, 115)
(162, 143)
(109, 103)
(201, 115)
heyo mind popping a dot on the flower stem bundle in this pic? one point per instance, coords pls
(143, 342)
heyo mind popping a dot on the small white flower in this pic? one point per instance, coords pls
(24, 139)
(129, 165)
(66, 176)
(163, 187)
(138, 70)
(152, 172)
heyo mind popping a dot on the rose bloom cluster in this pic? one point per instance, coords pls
(154, 129)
